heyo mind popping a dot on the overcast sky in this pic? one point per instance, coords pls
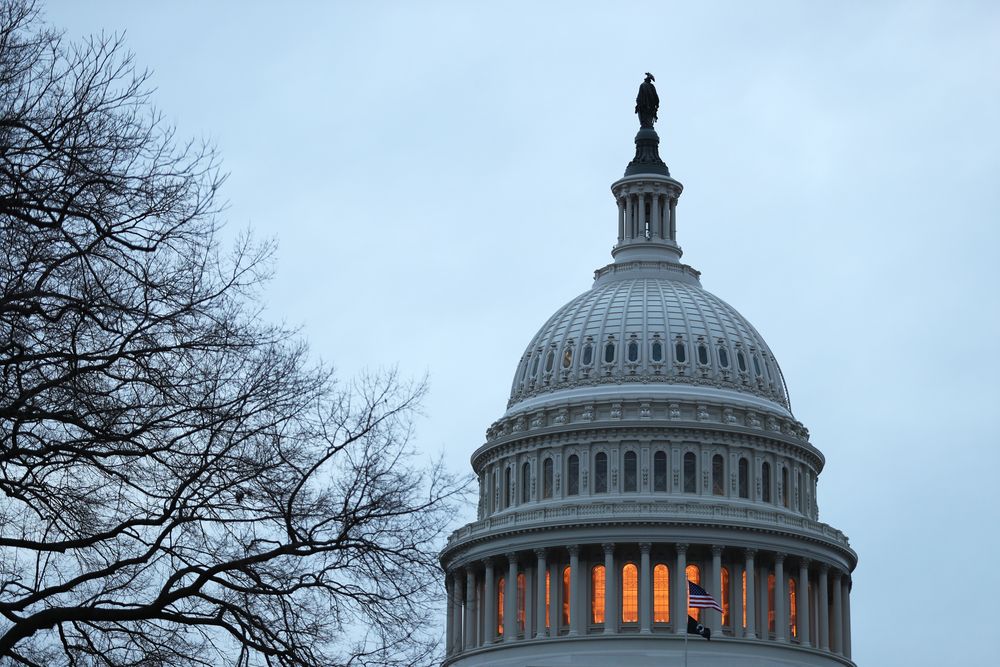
(437, 176)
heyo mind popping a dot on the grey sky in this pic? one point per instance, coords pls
(437, 177)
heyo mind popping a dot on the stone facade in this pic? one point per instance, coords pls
(648, 440)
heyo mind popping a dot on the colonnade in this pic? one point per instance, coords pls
(609, 589)
(647, 215)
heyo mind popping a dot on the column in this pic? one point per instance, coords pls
(489, 603)
(629, 215)
(673, 218)
(751, 570)
(802, 601)
(449, 621)
(847, 616)
(541, 568)
(645, 590)
(457, 632)
(715, 590)
(837, 644)
(470, 608)
(510, 600)
(612, 594)
(679, 603)
(780, 599)
(621, 220)
(555, 585)
(575, 615)
(655, 224)
(824, 608)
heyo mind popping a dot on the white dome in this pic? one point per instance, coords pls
(647, 328)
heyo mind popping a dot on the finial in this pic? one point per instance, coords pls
(647, 102)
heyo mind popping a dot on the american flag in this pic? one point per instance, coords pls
(699, 597)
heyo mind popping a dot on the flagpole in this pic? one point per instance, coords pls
(687, 599)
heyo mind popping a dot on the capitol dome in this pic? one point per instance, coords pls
(648, 445)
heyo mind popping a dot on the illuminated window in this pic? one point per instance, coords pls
(693, 573)
(525, 482)
(765, 482)
(718, 475)
(793, 611)
(744, 482)
(690, 475)
(661, 594)
(521, 600)
(631, 471)
(573, 475)
(743, 587)
(601, 473)
(547, 478)
(724, 587)
(630, 593)
(597, 594)
(660, 471)
(565, 596)
(770, 603)
(500, 594)
(548, 597)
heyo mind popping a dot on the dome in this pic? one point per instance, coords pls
(653, 330)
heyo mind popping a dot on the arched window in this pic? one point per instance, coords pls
(660, 471)
(718, 475)
(690, 474)
(547, 478)
(765, 482)
(724, 595)
(661, 594)
(744, 481)
(723, 357)
(680, 351)
(702, 354)
(522, 591)
(786, 493)
(506, 487)
(631, 471)
(565, 596)
(770, 603)
(525, 482)
(597, 581)
(501, 589)
(793, 610)
(630, 593)
(693, 573)
(601, 473)
(573, 475)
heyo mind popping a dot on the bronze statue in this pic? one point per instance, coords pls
(647, 102)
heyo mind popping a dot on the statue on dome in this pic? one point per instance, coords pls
(647, 102)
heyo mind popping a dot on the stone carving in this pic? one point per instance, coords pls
(538, 420)
(616, 410)
(675, 411)
(702, 413)
(752, 420)
(728, 416)
(563, 416)
(519, 424)
(773, 425)
(588, 413)
(644, 411)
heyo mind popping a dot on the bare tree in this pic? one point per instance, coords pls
(181, 485)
